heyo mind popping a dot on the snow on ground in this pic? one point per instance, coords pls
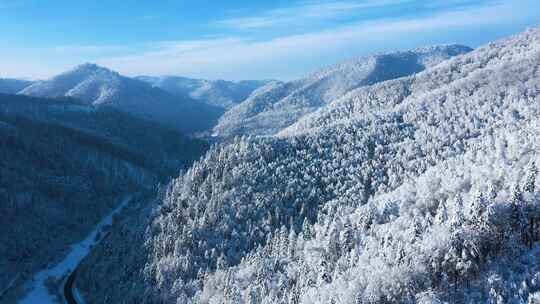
(78, 296)
(39, 293)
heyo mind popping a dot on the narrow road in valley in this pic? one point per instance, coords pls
(68, 266)
(68, 289)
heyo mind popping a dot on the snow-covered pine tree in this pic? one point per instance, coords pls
(442, 213)
(477, 209)
(518, 217)
(530, 180)
(458, 219)
(531, 208)
(306, 229)
(347, 236)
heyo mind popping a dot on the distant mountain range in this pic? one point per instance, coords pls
(279, 104)
(101, 87)
(219, 93)
(246, 107)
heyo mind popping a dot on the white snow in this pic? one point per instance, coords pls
(39, 293)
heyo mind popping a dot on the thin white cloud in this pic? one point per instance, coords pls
(191, 46)
(87, 49)
(294, 55)
(289, 56)
(305, 12)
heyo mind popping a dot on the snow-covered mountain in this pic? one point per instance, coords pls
(422, 189)
(220, 93)
(99, 86)
(279, 105)
(12, 86)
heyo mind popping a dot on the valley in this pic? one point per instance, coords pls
(67, 267)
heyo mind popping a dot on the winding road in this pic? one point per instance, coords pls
(69, 296)
(40, 294)
(68, 288)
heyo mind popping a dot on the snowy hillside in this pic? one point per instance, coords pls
(417, 190)
(12, 86)
(281, 104)
(99, 87)
(88, 82)
(219, 93)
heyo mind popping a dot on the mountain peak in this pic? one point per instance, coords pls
(88, 82)
(92, 68)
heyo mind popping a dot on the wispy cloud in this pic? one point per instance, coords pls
(240, 55)
(237, 57)
(87, 49)
(304, 12)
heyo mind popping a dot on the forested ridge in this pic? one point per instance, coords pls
(379, 170)
(422, 189)
(280, 104)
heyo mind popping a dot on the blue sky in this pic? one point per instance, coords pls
(238, 39)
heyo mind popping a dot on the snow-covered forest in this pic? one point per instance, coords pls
(280, 104)
(422, 189)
